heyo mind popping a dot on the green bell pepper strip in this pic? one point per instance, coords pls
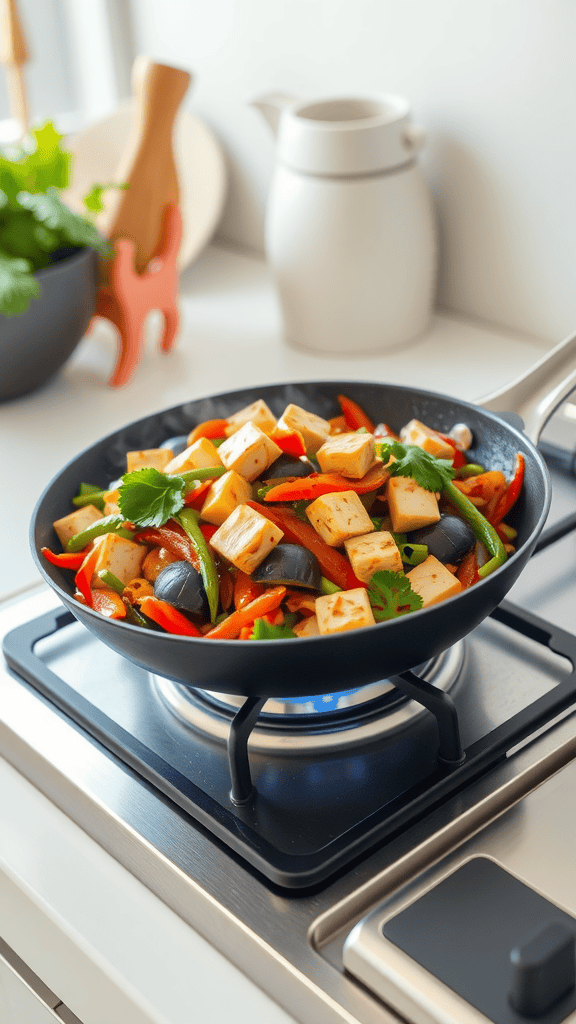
(108, 524)
(89, 494)
(327, 587)
(188, 519)
(481, 528)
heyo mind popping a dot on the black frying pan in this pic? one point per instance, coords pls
(313, 665)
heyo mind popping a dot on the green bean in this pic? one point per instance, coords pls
(481, 528)
(188, 518)
(108, 524)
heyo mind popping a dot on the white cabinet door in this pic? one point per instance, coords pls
(18, 1003)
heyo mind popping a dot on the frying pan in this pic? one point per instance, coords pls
(314, 665)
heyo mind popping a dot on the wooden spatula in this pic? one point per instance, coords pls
(148, 166)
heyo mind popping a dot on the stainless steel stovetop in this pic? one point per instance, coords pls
(518, 811)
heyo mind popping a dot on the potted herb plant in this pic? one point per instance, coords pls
(48, 262)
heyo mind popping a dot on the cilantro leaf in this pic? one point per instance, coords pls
(17, 285)
(264, 631)
(149, 498)
(390, 595)
(410, 460)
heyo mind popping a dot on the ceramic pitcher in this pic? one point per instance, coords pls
(350, 230)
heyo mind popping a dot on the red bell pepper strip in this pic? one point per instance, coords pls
(173, 537)
(208, 530)
(226, 584)
(245, 590)
(209, 429)
(65, 560)
(109, 604)
(334, 565)
(459, 458)
(309, 487)
(83, 577)
(196, 497)
(355, 416)
(163, 614)
(510, 496)
(467, 572)
(290, 442)
(229, 629)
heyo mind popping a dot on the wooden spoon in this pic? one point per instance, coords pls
(13, 55)
(148, 165)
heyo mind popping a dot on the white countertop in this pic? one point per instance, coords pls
(106, 944)
(230, 337)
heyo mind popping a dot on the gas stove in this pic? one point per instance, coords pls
(361, 799)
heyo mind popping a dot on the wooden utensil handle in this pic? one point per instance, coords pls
(148, 165)
(159, 91)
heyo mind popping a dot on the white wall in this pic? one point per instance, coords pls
(493, 82)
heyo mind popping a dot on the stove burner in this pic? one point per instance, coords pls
(330, 721)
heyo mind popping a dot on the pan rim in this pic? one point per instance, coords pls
(415, 616)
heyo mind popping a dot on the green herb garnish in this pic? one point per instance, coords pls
(436, 475)
(149, 498)
(390, 595)
(410, 460)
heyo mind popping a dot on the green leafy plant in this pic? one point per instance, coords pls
(36, 227)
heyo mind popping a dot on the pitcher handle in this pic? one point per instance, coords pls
(536, 394)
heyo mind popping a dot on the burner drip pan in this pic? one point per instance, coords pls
(329, 722)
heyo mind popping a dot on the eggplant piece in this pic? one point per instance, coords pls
(290, 565)
(448, 540)
(182, 586)
(288, 466)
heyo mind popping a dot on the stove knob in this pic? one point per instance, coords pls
(544, 970)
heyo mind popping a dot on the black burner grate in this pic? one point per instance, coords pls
(303, 827)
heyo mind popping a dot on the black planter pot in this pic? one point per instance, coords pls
(36, 344)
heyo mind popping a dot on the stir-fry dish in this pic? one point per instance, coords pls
(257, 528)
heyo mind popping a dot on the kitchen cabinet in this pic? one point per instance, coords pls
(24, 999)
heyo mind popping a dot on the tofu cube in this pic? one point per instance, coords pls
(371, 553)
(418, 433)
(433, 581)
(155, 458)
(313, 428)
(410, 505)
(249, 451)
(245, 538)
(349, 454)
(339, 516)
(350, 609)
(257, 413)
(307, 627)
(70, 525)
(200, 455)
(225, 494)
(121, 556)
(111, 506)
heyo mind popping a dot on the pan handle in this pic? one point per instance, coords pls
(536, 394)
